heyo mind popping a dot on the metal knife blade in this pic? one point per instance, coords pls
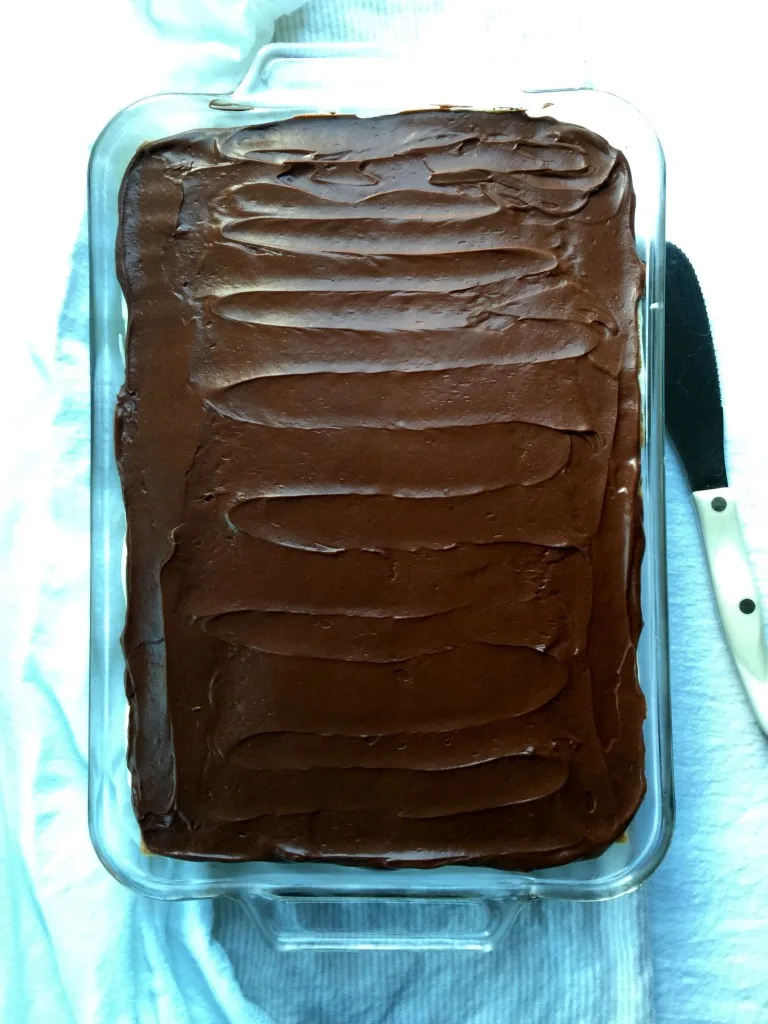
(694, 419)
(694, 411)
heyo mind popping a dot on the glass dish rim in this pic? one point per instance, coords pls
(511, 884)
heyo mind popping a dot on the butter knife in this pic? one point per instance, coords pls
(694, 420)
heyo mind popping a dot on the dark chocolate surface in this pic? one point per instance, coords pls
(379, 445)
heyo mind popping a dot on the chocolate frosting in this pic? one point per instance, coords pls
(379, 445)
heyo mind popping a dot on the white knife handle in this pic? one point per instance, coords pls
(738, 600)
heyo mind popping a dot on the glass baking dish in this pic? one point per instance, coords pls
(321, 905)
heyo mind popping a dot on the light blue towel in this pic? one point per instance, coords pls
(76, 946)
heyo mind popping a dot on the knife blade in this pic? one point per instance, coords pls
(694, 421)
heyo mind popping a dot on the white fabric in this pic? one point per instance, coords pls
(701, 82)
(75, 945)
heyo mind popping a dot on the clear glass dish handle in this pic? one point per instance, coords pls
(331, 77)
(349, 922)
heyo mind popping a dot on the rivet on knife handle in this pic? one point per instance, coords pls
(738, 600)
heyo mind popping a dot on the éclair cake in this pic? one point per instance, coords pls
(379, 444)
